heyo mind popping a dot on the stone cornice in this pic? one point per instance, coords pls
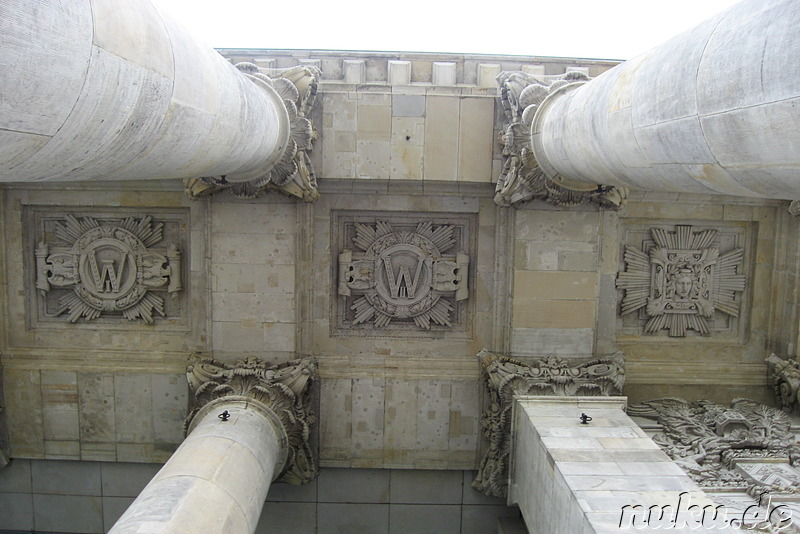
(283, 389)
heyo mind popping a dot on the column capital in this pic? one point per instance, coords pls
(523, 178)
(507, 378)
(295, 89)
(283, 389)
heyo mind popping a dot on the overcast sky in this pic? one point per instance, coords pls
(605, 29)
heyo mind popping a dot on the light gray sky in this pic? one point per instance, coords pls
(605, 29)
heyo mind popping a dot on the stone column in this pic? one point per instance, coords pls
(115, 90)
(713, 110)
(250, 427)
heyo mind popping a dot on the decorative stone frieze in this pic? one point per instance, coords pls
(402, 274)
(506, 377)
(293, 174)
(681, 280)
(521, 178)
(87, 267)
(785, 377)
(283, 389)
(748, 447)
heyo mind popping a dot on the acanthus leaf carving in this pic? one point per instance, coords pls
(521, 178)
(285, 389)
(681, 281)
(506, 377)
(109, 266)
(293, 174)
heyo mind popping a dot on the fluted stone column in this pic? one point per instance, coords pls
(714, 110)
(250, 427)
(115, 90)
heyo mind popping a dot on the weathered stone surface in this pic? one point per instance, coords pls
(284, 389)
(682, 280)
(506, 378)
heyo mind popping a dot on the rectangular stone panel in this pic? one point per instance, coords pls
(402, 273)
(102, 268)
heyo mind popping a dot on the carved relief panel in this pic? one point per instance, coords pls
(680, 280)
(106, 268)
(401, 273)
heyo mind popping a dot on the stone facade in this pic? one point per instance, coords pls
(407, 143)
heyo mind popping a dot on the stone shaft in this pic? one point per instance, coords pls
(217, 480)
(115, 90)
(713, 110)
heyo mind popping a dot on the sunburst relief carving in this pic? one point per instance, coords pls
(110, 267)
(681, 281)
(405, 275)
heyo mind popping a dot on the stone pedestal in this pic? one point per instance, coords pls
(603, 476)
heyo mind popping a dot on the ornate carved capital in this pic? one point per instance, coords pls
(506, 377)
(521, 178)
(786, 381)
(681, 281)
(293, 174)
(284, 389)
(110, 267)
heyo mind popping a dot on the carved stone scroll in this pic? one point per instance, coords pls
(727, 448)
(521, 178)
(293, 175)
(681, 281)
(284, 389)
(110, 266)
(785, 376)
(403, 275)
(506, 377)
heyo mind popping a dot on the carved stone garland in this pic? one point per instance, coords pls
(110, 267)
(786, 381)
(681, 281)
(293, 175)
(506, 377)
(747, 447)
(403, 275)
(521, 178)
(284, 389)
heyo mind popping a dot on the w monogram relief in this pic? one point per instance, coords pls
(109, 266)
(411, 274)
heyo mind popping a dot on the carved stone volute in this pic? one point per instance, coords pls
(283, 389)
(506, 377)
(293, 174)
(785, 377)
(521, 178)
